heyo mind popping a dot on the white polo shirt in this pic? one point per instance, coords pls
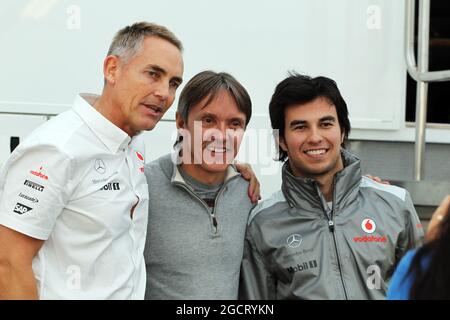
(74, 183)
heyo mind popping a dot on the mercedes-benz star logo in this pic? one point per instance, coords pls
(99, 166)
(294, 240)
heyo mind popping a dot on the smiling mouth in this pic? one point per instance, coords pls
(315, 152)
(217, 149)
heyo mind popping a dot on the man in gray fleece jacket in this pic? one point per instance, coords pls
(199, 204)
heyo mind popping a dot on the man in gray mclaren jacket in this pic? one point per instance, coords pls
(198, 206)
(329, 233)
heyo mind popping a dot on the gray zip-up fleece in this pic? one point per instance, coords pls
(294, 250)
(186, 255)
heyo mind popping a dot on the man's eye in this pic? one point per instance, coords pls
(207, 120)
(175, 85)
(153, 74)
(299, 127)
(327, 124)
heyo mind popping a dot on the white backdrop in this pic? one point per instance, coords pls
(52, 49)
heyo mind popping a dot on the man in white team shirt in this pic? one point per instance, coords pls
(73, 195)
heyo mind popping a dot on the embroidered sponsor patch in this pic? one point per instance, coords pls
(370, 239)
(368, 225)
(21, 208)
(111, 186)
(31, 199)
(294, 240)
(140, 156)
(99, 166)
(39, 174)
(302, 266)
(34, 185)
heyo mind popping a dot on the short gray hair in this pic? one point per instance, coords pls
(128, 41)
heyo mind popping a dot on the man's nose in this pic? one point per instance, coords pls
(162, 91)
(219, 133)
(315, 136)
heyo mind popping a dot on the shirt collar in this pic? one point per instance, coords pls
(112, 137)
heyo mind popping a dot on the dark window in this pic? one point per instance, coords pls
(438, 92)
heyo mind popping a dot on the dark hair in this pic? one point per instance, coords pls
(209, 84)
(301, 89)
(432, 278)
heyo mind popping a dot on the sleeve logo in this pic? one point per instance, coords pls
(34, 185)
(39, 174)
(31, 199)
(21, 208)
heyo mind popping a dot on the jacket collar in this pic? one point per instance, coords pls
(305, 193)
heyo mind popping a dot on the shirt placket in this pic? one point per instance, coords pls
(133, 170)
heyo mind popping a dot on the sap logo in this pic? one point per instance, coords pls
(111, 186)
(21, 208)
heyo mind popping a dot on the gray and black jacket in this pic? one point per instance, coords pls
(295, 250)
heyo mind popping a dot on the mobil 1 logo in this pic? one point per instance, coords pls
(21, 208)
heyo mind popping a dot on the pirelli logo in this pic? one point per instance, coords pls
(34, 185)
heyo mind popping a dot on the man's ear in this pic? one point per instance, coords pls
(181, 124)
(282, 143)
(111, 69)
(342, 137)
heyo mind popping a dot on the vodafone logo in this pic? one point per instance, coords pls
(140, 156)
(368, 225)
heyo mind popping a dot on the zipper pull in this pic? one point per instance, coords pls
(331, 225)
(214, 223)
